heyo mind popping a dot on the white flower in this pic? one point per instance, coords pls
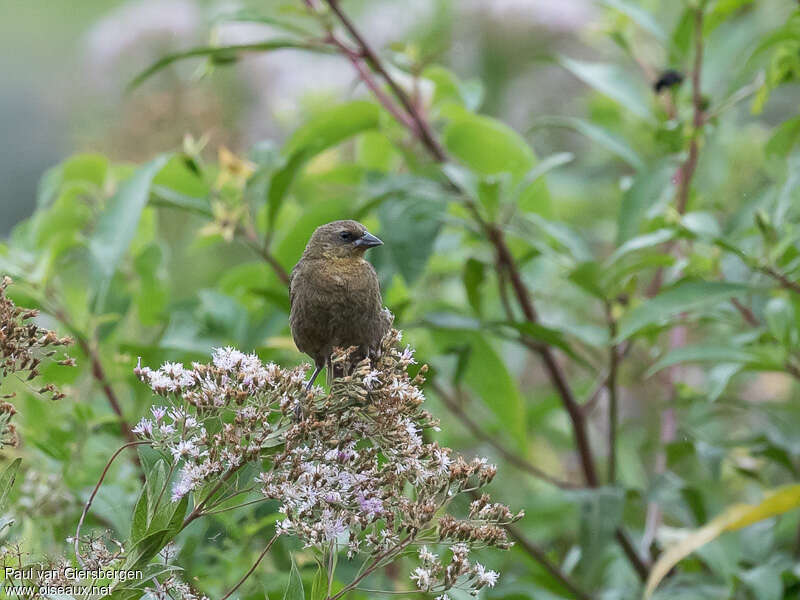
(442, 460)
(422, 577)
(485, 577)
(144, 428)
(227, 358)
(426, 556)
(332, 525)
(408, 356)
(184, 448)
(158, 412)
(371, 378)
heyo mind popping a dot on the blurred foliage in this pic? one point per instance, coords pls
(663, 260)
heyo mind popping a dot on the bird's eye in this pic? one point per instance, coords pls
(346, 235)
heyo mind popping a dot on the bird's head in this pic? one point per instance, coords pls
(340, 239)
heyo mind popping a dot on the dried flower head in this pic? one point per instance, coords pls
(352, 467)
(23, 347)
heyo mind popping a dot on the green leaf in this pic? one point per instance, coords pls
(780, 316)
(294, 589)
(647, 240)
(563, 235)
(409, 228)
(719, 353)
(601, 514)
(720, 12)
(547, 336)
(117, 224)
(540, 170)
(640, 16)
(589, 277)
(332, 126)
(738, 516)
(146, 548)
(220, 54)
(603, 137)
(784, 139)
(85, 168)
(487, 375)
(614, 81)
(139, 521)
(473, 278)
(487, 146)
(7, 479)
(649, 186)
(684, 297)
(319, 586)
(320, 133)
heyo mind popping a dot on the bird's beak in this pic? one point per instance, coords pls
(368, 241)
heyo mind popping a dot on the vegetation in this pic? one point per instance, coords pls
(616, 328)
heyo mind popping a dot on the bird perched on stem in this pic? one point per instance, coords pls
(335, 296)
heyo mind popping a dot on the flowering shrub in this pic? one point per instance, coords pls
(351, 466)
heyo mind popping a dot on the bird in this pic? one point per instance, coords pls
(335, 296)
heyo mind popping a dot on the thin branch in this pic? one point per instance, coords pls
(422, 127)
(253, 568)
(746, 313)
(369, 81)
(613, 408)
(554, 370)
(785, 282)
(517, 461)
(263, 251)
(373, 565)
(540, 556)
(94, 493)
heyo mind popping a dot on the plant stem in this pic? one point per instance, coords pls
(541, 557)
(423, 129)
(613, 403)
(374, 565)
(517, 461)
(94, 493)
(253, 568)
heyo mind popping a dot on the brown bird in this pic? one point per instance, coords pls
(335, 296)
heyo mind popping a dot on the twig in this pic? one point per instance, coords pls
(519, 462)
(613, 408)
(263, 251)
(423, 129)
(746, 313)
(94, 493)
(600, 385)
(253, 568)
(541, 557)
(99, 375)
(370, 82)
(554, 370)
(374, 565)
(785, 282)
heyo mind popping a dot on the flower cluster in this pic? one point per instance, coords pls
(23, 347)
(99, 553)
(173, 588)
(227, 413)
(352, 468)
